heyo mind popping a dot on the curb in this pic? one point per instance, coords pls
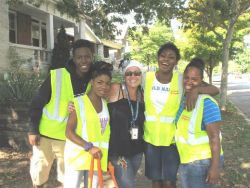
(240, 111)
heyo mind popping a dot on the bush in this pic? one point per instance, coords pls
(97, 57)
(18, 85)
(61, 51)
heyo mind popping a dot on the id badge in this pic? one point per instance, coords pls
(134, 133)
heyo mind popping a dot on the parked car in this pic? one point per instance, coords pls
(216, 77)
(238, 76)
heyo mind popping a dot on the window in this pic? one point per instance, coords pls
(106, 52)
(35, 32)
(12, 27)
(44, 36)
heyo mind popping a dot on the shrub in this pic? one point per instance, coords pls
(61, 51)
(18, 85)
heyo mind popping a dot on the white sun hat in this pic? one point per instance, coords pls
(132, 63)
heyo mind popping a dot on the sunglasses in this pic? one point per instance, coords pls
(132, 73)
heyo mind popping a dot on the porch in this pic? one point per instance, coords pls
(33, 31)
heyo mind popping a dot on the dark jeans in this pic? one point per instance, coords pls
(125, 177)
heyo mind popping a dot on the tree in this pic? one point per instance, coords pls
(243, 60)
(145, 46)
(201, 44)
(61, 51)
(213, 15)
(205, 44)
(105, 15)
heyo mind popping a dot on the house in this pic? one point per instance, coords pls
(31, 31)
(123, 39)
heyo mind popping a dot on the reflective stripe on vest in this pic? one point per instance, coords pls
(159, 128)
(56, 116)
(162, 119)
(84, 132)
(165, 119)
(192, 140)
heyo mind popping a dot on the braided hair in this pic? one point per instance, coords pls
(101, 67)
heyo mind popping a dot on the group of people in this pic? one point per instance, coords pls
(167, 116)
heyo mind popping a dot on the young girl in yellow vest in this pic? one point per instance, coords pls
(198, 134)
(162, 96)
(88, 129)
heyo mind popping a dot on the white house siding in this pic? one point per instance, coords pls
(4, 36)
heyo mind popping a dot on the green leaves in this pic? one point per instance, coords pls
(60, 53)
(19, 87)
(146, 44)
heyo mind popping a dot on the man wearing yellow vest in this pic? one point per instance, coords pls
(198, 134)
(163, 93)
(49, 113)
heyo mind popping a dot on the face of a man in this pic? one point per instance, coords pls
(83, 60)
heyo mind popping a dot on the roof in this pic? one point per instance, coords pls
(112, 44)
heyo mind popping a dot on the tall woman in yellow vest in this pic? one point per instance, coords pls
(88, 129)
(162, 95)
(198, 134)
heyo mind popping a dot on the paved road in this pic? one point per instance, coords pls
(239, 94)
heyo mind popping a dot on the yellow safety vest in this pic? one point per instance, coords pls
(159, 129)
(191, 141)
(55, 113)
(89, 129)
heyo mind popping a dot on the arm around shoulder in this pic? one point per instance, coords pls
(209, 89)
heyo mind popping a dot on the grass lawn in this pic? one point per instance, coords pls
(236, 146)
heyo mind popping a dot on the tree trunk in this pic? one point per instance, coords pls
(225, 56)
(210, 70)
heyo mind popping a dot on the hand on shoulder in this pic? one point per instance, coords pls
(113, 92)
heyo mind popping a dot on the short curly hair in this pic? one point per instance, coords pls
(81, 43)
(169, 46)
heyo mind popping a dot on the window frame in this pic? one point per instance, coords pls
(35, 22)
(15, 25)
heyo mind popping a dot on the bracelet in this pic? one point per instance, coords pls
(88, 146)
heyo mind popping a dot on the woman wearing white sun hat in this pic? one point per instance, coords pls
(126, 109)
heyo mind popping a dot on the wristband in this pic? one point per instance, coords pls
(88, 146)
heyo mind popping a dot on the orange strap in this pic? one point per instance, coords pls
(111, 171)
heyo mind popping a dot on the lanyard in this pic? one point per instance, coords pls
(134, 115)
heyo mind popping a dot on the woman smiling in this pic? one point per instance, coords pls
(126, 109)
(198, 134)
